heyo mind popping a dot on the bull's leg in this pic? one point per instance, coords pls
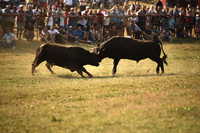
(35, 63)
(162, 65)
(49, 67)
(159, 62)
(116, 61)
(84, 70)
(79, 71)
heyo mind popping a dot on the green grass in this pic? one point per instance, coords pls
(133, 101)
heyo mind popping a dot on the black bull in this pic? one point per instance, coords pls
(72, 58)
(126, 48)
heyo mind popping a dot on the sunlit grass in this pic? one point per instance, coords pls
(135, 100)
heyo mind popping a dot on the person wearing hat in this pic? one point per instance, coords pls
(20, 21)
(83, 4)
(86, 10)
(72, 37)
(72, 18)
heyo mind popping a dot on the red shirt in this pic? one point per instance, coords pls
(65, 20)
(100, 18)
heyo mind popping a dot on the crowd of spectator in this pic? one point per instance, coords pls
(73, 21)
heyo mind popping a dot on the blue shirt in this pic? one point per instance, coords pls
(75, 2)
(113, 19)
(119, 19)
(29, 13)
(8, 37)
(79, 34)
(156, 31)
(72, 21)
(171, 23)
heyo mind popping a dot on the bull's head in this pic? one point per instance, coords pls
(97, 51)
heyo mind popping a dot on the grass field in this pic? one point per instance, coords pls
(133, 101)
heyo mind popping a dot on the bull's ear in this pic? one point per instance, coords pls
(98, 45)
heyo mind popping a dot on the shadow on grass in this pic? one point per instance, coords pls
(116, 76)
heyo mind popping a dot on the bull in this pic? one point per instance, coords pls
(127, 48)
(72, 58)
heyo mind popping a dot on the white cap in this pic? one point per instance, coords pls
(21, 6)
(87, 7)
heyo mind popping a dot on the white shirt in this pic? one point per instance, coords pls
(54, 31)
(36, 12)
(50, 22)
(83, 2)
(68, 2)
(106, 20)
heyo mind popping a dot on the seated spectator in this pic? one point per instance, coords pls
(156, 32)
(82, 35)
(29, 32)
(9, 39)
(135, 30)
(54, 35)
(45, 36)
(166, 34)
(93, 35)
(147, 33)
(71, 35)
(63, 34)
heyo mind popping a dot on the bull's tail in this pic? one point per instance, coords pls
(165, 56)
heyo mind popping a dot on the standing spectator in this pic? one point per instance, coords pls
(166, 34)
(72, 18)
(59, 13)
(176, 12)
(10, 39)
(66, 14)
(171, 24)
(86, 10)
(106, 23)
(103, 10)
(50, 3)
(12, 18)
(82, 20)
(29, 16)
(68, 4)
(72, 37)
(45, 36)
(49, 20)
(20, 21)
(163, 23)
(158, 3)
(36, 13)
(6, 18)
(100, 18)
(119, 24)
(1, 35)
(197, 28)
(29, 32)
(1, 13)
(191, 21)
(141, 19)
(83, 4)
(75, 3)
(133, 6)
(113, 18)
(89, 21)
(41, 20)
(148, 34)
(28, 2)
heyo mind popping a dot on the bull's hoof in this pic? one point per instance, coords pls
(32, 74)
